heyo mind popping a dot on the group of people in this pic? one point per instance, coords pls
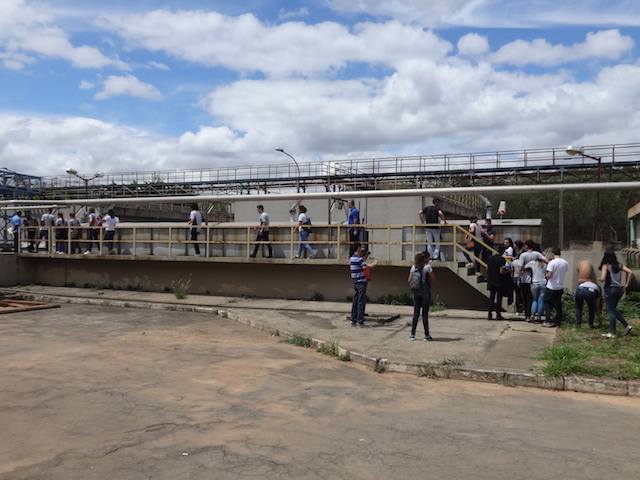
(68, 233)
(537, 283)
(303, 228)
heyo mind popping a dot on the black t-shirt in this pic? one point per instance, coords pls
(494, 277)
(430, 215)
(488, 231)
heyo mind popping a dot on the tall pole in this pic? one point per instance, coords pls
(297, 168)
(580, 151)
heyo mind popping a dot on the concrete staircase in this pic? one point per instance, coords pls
(468, 275)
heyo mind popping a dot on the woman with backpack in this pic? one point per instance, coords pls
(420, 279)
(613, 289)
(304, 228)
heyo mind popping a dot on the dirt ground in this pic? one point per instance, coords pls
(94, 392)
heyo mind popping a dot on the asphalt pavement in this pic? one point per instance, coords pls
(465, 346)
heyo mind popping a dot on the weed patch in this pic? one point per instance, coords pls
(298, 341)
(180, 287)
(585, 352)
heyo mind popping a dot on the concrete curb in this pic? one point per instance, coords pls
(602, 386)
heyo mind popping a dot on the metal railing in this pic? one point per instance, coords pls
(387, 243)
(344, 172)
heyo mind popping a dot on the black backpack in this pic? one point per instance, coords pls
(417, 283)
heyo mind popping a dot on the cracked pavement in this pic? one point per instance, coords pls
(95, 392)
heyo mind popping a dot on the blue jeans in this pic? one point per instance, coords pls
(359, 302)
(304, 236)
(612, 296)
(537, 295)
(433, 236)
(589, 296)
(421, 303)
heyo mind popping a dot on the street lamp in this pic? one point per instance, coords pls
(580, 151)
(297, 168)
(86, 180)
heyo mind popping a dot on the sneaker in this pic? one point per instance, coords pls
(609, 335)
(548, 324)
(469, 265)
(412, 337)
(490, 317)
(87, 252)
(427, 338)
(297, 256)
(500, 317)
(628, 329)
(313, 256)
(353, 324)
(360, 325)
(252, 256)
(196, 255)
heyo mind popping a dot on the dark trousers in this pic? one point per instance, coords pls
(496, 294)
(354, 237)
(92, 237)
(527, 298)
(194, 239)
(359, 302)
(421, 305)
(553, 299)
(612, 296)
(589, 296)
(109, 235)
(262, 237)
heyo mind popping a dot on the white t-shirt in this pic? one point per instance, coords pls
(558, 268)
(48, 219)
(302, 218)
(264, 221)
(110, 223)
(196, 219)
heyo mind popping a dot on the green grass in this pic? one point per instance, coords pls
(333, 349)
(298, 341)
(584, 351)
(180, 287)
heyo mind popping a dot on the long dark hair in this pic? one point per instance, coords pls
(421, 260)
(609, 258)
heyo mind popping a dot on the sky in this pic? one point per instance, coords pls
(149, 85)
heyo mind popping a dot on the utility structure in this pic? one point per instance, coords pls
(297, 168)
(580, 151)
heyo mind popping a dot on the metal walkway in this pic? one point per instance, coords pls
(511, 167)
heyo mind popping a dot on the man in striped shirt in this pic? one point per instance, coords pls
(357, 264)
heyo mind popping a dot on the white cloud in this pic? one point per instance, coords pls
(496, 13)
(473, 44)
(284, 14)
(605, 44)
(86, 85)
(29, 28)
(159, 66)
(244, 44)
(127, 85)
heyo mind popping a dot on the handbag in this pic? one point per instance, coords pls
(470, 244)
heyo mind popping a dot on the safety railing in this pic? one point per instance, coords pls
(388, 243)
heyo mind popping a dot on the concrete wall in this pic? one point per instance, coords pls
(374, 211)
(9, 269)
(279, 279)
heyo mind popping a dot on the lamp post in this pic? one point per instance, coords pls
(580, 151)
(297, 168)
(86, 181)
